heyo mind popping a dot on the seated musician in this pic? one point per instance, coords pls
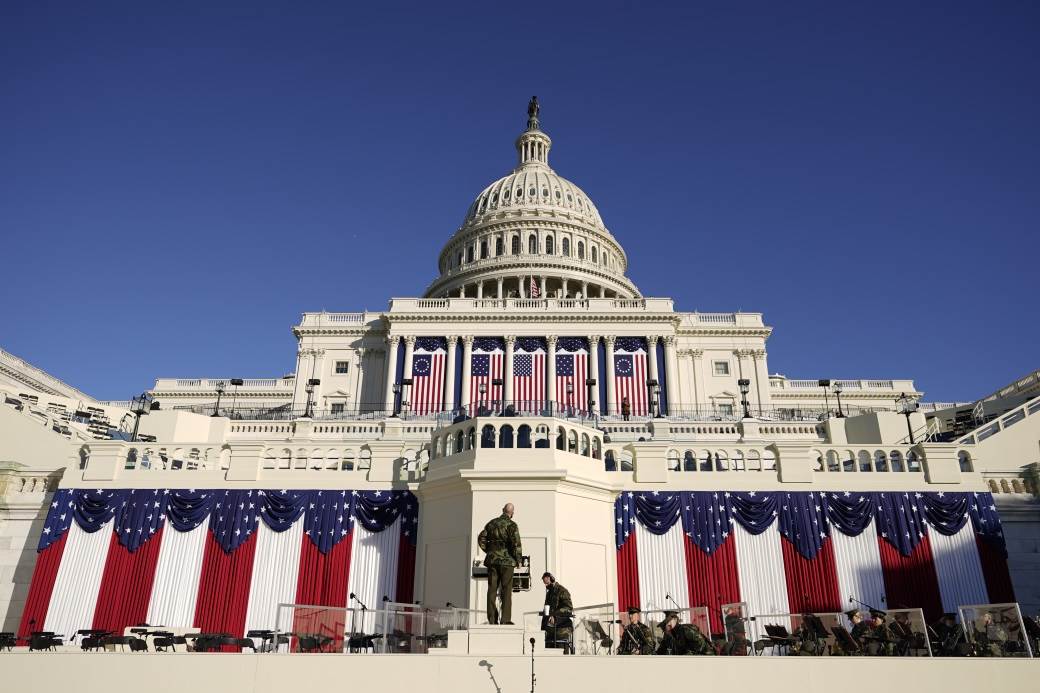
(682, 638)
(859, 626)
(949, 637)
(636, 638)
(903, 633)
(879, 639)
(990, 638)
(736, 635)
(558, 625)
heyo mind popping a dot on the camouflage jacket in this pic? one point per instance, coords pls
(637, 638)
(685, 639)
(500, 540)
(558, 599)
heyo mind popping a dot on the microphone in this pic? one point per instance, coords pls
(669, 598)
(355, 598)
(449, 605)
(385, 598)
(851, 600)
(618, 621)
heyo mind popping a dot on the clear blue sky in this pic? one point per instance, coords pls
(178, 183)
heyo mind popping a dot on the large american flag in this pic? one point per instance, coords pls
(572, 368)
(630, 372)
(428, 361)
(529, 363)
(486, 366)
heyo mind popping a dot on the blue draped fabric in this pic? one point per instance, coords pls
(851, 513)
(489, 344)
(630, 344)
(706, 518)
(330, 518)
(531, 344)
(280, 509)
(624, 518)
(234, 517)
(803, 521)
(139, 517)
(59, 517)
(658, 510)
(186, 509)
(572, 344)
(377, 510)
(900, 520)
(986, 521)
(947, 512)
(754, 510)
(94, 507)
(431, 343)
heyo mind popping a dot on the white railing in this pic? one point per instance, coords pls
(717, 318)
(991, 428)
(459, 305)
(167, 384)
(322, 319)
(886, 385)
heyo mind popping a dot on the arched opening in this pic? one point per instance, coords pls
(469, 253)
(608, 461)
(721, 461)
(471, 438)
(848, 463)
(596, 449)
(532, 244)
(581, 250)
(864, 461)
(880, 461)
(689, 461)
(964, 461)
(515, 246)
(769, 460)
(584, 444)
(550, 248)
(566, 246)
(542, 437)
(365, 459)
(626, 462)
(131, 459)
(832, 461)
(505, 437)
(673, 460)
(487, 436)
(84, 457)
(706, 461)
(459, 441)
(347, 464)
(754, 461)
(483, 250)
(332, 459)
(572, 442)
(738, 461)
(523, 436)
(594, 253)
(896, 458)
(499, 250)
(913, 462)
(561, 439)
(285, 459)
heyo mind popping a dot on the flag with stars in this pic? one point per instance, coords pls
(329, 518)
(706, 520)
(529, 374)
(486, 366)
(59, 517)
(234, 517)
(572, 370)
(803, 521)
(139, 517)
(630, 374)
(428, 367)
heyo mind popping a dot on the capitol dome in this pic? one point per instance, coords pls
(532, 234)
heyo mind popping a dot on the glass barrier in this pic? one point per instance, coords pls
(592, 630)
(889, 633)
(796, 634)
(315, 628)
(403, 627)
(662, 636)
(995, 630)
(735, 620)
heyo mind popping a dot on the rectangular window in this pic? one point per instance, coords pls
(337, 408)
(341, 367)
(721, 367)
(726, 409)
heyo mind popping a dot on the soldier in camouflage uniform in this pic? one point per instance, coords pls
(637, 638)
(500, 540)
(682, 638)
(559, 624)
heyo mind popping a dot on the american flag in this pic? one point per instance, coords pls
(428, 361)
(535, 293)
(630, 374)
(572, 368)
(529, 374)
(486, 367)
(329, 518)
(234, 518)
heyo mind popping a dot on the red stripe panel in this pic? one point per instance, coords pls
(323, 581)
(39, 598)
(910, 581)
(628, 573)
(812, 585)
(995, 570)
(126, 584)
(713, 579)
(405, 570)
(224, 587)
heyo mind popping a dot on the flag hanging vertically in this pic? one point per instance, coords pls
(428, 361)
(486, 368)
(630, 374)
(529, 374)
(572, 368)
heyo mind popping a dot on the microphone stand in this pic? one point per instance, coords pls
(364, 609)
(533, 677)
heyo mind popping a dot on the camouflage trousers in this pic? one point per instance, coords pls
(500, 584)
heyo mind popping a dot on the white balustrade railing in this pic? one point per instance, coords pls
(210, 384)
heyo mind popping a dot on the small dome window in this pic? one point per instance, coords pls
(519, 192)
(505, 195)
(532, 192)
(545, 192)
(569, 198)
(494, 198)
(557, 194)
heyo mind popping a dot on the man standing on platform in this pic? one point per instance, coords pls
(500, 540)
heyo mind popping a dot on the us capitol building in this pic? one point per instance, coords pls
(640, 444)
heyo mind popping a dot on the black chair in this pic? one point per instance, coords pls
(238, 643)
(8, 640)
(44, 640)
(138, 645)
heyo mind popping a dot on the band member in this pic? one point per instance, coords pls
(736, 635)
(990, 637)
(949, 637)
(558, 623)
(903, 633)
(636, 638)
(682, 638)
(879, 640)
(501, 541)
(859, 626)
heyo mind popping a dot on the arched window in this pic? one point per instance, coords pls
(706, 461)
(566, 245)
(608, 461)
(561, 439)
(596, 449)
(499, 250)
(505, 437)
(769, 460)
(515, 249)
(459, 263)
(896, 458)
(550, 249)
(689, 461)
(572, 442)
(913, 462)
(584, 444)
(673, 461)
(849, 462)
(347, 463)
(532, 244)
(483, 250)
(469, 253)
(523, 436)
(738, 461)
(832, 461)
(459, 442)
(365, 459)
(864, 461)
(542, 437)
(487, 436)
(471, 438)
(594, 253)
(880, 461)
(964, 460)
(581, 250)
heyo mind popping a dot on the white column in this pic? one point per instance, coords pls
(467, 368)
(507, 385)
(651, 354)
(500, 294)
(594, 368)
(543, 287)
(391, 370)
(602, 291)
(449, 373)
(550, 388)
(480, 289)
(611, 392)
(462, 291)
(700, 394)
(564, 292)
(520, 284)
(409, 348)
(671, 370)
(761, 377)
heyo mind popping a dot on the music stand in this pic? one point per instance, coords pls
(598, 635)
(778, 636)
(846, 641)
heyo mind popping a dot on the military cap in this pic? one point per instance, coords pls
(878, 613)
(634, 610)
(668, 616)
(852, 613)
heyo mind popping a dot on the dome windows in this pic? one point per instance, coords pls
(557, 194)
(519, 192)
(469, 254)
(581, 250)
(594, 253)
(545, 192)
(550, 249)
(570, 199)
(532, 244)
(483, 250)
(515, 249)
(532, 192)
(566, 247)
(499, 250)
(505, 195)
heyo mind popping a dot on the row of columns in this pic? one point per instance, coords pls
(671, 367)
(524, 282)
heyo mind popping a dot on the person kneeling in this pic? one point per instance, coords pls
(682, 638)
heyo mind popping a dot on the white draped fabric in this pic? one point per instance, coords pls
(177, 571)
(662, 568)
(858, 562)
(276, 566)
(760, 567)
(78, 581)
(958, 568)
(373, 569)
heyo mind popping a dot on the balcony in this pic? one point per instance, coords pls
(533, 305)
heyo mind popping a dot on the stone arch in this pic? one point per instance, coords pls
(523, 436)
(880, 461)
(896, 459)
(833, 464)
(754, 461)
(964, 461)
(572, 441)
(365, 458)
(609, 461)
(585, 445)
(487, 436)
(505, 436)
(673, 460)
(817, 457)
(597, 448)
(131, 459)
(865, 461)
(738, 464)
(769, 460)
(689, 461)
(460, 441)
(913, 461)
(561, 438)
(706, 461)
(347, 463)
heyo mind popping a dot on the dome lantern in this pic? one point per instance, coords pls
(533, 145)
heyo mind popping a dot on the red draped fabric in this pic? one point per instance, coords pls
(713, 579)
(911, 581)
(405, 570)
(812, 584)
(224, 587)
(323, 581)
(39, 598)
(126, 584)
(628, 573)
(995, 570)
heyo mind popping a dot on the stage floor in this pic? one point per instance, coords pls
(277, 673)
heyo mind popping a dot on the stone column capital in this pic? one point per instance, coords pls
(393, 339)
(610, 339)
(551, 340)
(467, 341)
(453, 340)
(696, 353)
(410, 340)
(510, 340)
(669, 340)
(652, 340)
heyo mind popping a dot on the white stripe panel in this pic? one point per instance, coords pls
(858, 561)
(276, 567)
(958, 568)
(78, 581)
(662, 568)
(760, 567)
(177, 573)
(373, 569)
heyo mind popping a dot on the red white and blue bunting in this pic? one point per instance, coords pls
(217, 560)
(795, 551)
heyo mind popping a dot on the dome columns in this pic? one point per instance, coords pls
(546, 285)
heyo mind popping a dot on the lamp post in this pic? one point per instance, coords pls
(397, 393)
(237, 382)
(405, 383)
(907, 406)
(745, 387)
(825, 384)
(498, 382)
(308, 411)
(142, 404)
(651, 396)
(590, 385)
(482, 400)
(837, 393)
(220, 393)
(570, 397)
